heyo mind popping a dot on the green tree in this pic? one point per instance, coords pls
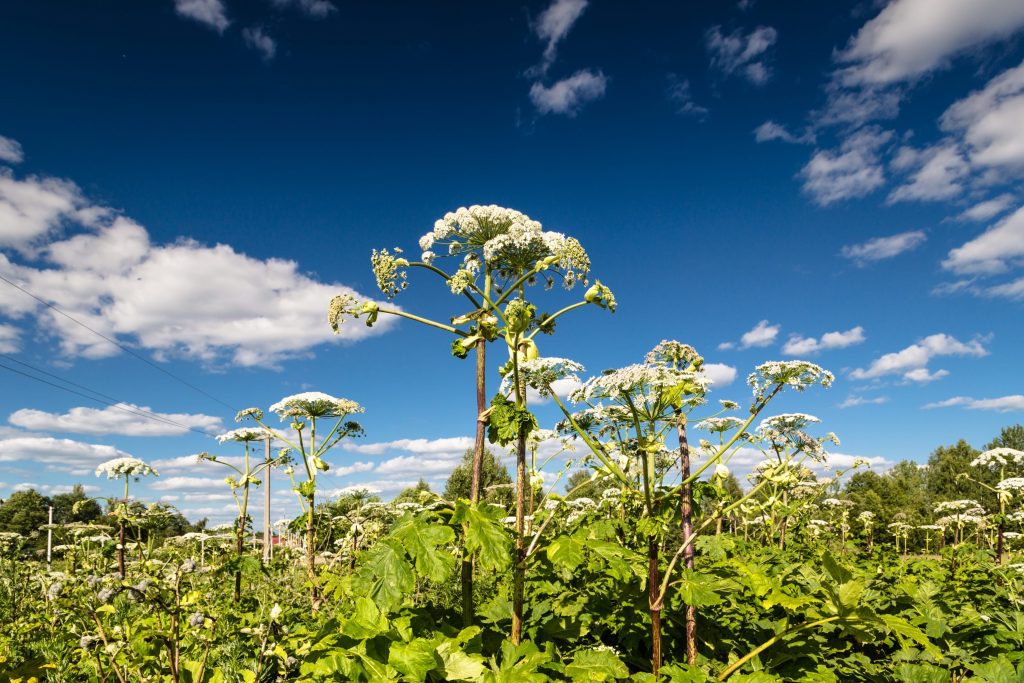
(1009, 437)
(25, 513)
(413, 493)
(581, 485)
(64, 511)
(495, 480)
(943, 482)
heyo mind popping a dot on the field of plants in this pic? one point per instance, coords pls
(622, 545)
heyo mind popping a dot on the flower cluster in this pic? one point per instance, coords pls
(798, 374)
(720, 425)
(314, 404)
(999, 456)
(386, 267)
(510, 241)
(246, 434)
(966, 506)
(125, 467)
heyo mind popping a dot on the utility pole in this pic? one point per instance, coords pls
(49, 540)
(268, 535)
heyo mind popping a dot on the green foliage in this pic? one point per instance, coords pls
(495, 481)
(508, 421)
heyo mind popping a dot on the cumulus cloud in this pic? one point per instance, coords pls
(911, 362)
(61, 455)
(769, 130)
(117, 419)
(762, 334)
(798, 345)
(988, 122)
(881, 248)
(456, 445)
(743, 54)
(10, 150)
(186, 483)
(185, 299)
(720, 374)
(256, 38)
(854, 401)
(936, 173)
(854, 170)
(569, 95)
(990, 208)
(678, 93)
(994, 251)
(1003, 404)
(33, 208)
(552, 26)
(55, 489)
(910, 38)
(10, 338)
(318, 9)
(209, 12)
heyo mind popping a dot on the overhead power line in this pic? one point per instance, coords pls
(119, 345)
(94, 395)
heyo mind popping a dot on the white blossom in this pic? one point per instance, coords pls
(125, 467)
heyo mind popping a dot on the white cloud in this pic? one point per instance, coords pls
(33, 208)
(769, 130)
(912, 361)
(318, 9)
(552, 26)
(678, 93)
(924, 376)
(63, 455)
(55, 489)
(10, 150)
(256, 38)
(762, 334)
(988, 121)
(449, 445)
(114, 420)
(910, 38)
(938, 173)
(186, 483)
(880, 248)
(726, 346)
(990, 208)
(854, 170)
(184, 299)
(1008, 290)
(798, 345)
(1003, 404)
(743, 54)
(209, 12)
(854, 401)
(569, 95)
(720, 374)
(994, 251)
(10, 337)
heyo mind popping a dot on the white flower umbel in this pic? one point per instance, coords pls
(246, 434)
(314, 404)
(998, 457)
(125, 467)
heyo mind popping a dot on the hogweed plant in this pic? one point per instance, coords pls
(498, 255)
(1000, 460)
(625, 421)
(126, 469)
(243, 479)
(304, 410)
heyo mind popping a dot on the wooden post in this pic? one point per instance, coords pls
(49, 540)
(268, 535)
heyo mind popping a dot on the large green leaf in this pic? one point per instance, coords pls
(596, 665)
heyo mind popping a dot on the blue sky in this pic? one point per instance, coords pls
(196, 178)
